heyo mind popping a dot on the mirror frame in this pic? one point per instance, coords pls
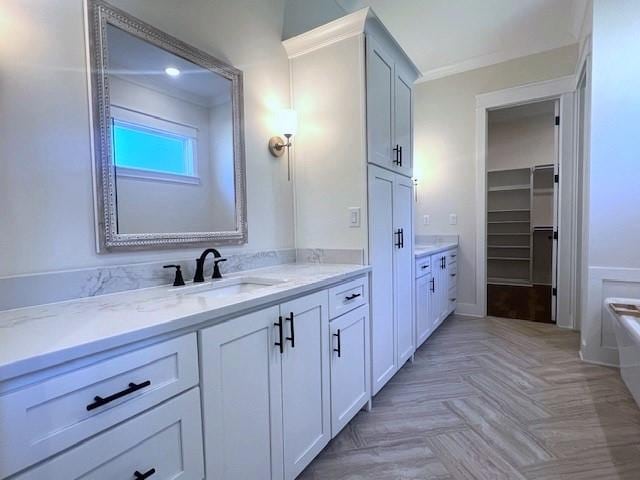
(99, 15)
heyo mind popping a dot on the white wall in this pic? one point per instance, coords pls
(330, 145)
(614, 216)
(46, 199)
(445, 147)
(521, 143)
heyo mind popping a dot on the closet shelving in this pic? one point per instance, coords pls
(519, 225)
(509, 247)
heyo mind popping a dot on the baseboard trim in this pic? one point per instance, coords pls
(469, 310)
(597, 362)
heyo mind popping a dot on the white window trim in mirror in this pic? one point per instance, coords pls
(99, 15)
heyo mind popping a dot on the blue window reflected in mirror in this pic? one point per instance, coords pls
(142, 148)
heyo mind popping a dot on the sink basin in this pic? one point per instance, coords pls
(231, 286)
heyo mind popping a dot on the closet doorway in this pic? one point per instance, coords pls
(522, 211)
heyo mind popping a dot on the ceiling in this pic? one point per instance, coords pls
(444, 37)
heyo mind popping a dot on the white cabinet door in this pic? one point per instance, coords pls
(403, 122)
(241, 397)
(380, 93)
(424, 322)
(440, 285)
(350, 377)
(404, 262)
(306, 403)
(381, 253)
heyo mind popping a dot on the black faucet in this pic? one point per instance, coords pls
(199, 276)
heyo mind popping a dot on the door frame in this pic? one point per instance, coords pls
(563, 90)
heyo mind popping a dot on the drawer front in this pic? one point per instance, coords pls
(164, 443)
(347, 296)
(423, 266)
(452, 299)
(50, 416)
(452, 272)
(452, 256)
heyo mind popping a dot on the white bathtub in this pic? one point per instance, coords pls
(627, 330)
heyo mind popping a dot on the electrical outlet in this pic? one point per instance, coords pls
(453, 219)
(354, 217)
(426, 220)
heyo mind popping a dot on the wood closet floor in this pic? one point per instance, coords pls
(492, 399)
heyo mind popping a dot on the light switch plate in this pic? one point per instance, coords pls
(426, 220)
(453, 219)
(354, 217)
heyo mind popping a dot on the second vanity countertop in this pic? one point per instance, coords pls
(423, 250)
(42, 336)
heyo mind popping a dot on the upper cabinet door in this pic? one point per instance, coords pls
(403, 144)
(380, 93)
(305, 381)
(241, 397)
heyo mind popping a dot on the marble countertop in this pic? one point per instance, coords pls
(423, 250)
(42, 336)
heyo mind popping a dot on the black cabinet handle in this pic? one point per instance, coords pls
(433, 284)
(351, 297)
(279, 343)
(453, 274)
(402, 238)
(452, 299)
(425, 266)
(142, 476)
(339, 349)
(133, 387)
(292, 338)
(400, 148)
(398, 244)
(397, 160)
(454, 255)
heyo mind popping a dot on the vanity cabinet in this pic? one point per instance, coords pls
(435, 291)
(391, 258)
(265, 386)
(55, 413)
(164, 443)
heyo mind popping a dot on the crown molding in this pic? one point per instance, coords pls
(483, 61)
(332, 32)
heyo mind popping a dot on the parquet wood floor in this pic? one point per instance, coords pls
(492, 399)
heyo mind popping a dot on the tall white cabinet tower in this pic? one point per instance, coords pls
(352, 88)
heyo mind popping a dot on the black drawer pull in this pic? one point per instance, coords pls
(279, 343)
(351, 297)
(453, 274)
(142, 476)
(100, 401)
(292, 338)
(452, 299)
(339, 349)
(424, 266)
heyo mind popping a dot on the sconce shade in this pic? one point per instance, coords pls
(288, 122)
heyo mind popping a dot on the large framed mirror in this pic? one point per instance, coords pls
(169, 167)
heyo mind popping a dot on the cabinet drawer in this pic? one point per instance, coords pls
(452, 256)
(452, 272)
(164, 443)
(347, 296)
(423, 266)
(50, 416)
(452, 299)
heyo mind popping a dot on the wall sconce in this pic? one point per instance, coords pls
(287, 123)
